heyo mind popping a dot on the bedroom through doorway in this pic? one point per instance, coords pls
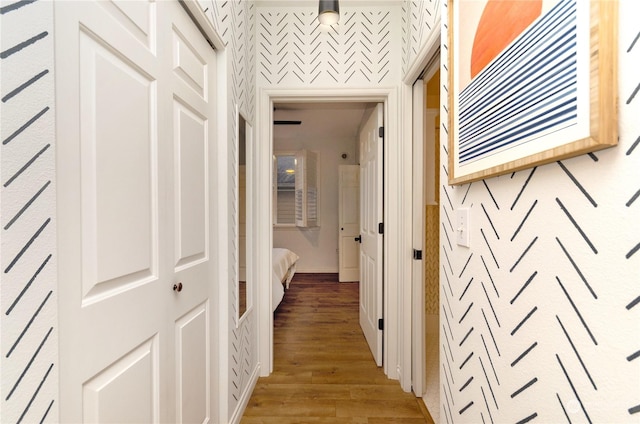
(316, 200)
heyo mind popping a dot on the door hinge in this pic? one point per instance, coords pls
(380, 324)
(381, 228)
(381, 132)
(417, 254)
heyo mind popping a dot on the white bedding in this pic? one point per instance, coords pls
(284, 267)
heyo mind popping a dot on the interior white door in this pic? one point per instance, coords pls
(192, 98)
(135, 87)
(349, 223)
(371, 219)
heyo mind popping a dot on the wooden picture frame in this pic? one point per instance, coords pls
(530, 82)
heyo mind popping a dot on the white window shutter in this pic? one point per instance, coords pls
(306, 198)
(311, 182)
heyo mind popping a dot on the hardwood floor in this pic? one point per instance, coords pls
(323, 369)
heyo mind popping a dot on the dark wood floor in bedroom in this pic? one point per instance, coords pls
(323, 369)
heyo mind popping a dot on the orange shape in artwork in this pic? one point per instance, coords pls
(501, 22)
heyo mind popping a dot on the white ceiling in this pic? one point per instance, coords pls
(319, 120)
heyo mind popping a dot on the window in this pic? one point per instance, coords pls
(295, 191)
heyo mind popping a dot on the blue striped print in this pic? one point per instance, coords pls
(529, 90)
(563, 78)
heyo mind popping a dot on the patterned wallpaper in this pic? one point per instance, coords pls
(28, 338)
(235, 23)
(540, 318)
(419, 19)
(295, 50)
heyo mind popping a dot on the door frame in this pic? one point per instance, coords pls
(413, 302)
(394, 210)
(417, 228)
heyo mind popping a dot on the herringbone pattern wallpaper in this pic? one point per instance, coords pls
(419, 20)
(235, 23)
(540, 318)
(295, 50)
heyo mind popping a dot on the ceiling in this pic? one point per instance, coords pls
(337, 120)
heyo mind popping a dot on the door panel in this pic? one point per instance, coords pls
(349, 223)
(134, 190)
(192, 355)
(124, 391)
(137, 17)
(119, 242)
(371, 248)
(191, 186)
(189, 65)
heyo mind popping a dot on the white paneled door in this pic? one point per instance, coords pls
(135, 91)
(349, 223)
(371, 208)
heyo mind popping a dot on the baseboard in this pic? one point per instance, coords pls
(244, 399)
(304, 270)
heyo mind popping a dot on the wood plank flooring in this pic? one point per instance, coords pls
(323, 369)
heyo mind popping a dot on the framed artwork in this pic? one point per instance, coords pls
(530, 82)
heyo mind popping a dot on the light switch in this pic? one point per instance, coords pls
(462, 227)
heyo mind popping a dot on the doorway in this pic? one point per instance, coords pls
(326, 133)
(264, 242)
(426, 234)
(312, 143)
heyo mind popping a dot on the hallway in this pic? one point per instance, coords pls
(323, 369)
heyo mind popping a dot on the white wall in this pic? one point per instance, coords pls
(571, 231)
(317, 247)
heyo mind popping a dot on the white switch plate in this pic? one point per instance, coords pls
(462, 227)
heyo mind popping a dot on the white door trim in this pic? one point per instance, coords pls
(418, 329)
(409, 303)
(394, 210)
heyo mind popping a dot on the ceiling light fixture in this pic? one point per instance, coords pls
(328, 12)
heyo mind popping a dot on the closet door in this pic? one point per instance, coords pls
(134, 89)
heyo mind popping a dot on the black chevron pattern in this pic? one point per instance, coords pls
(541, 314)
(296, 50)
(419, 19)
(28, 282)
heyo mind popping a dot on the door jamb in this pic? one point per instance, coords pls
(392, 211)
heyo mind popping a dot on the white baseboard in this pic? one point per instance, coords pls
(304, 270)
(244, 399)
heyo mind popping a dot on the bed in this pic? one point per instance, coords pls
(284, 267)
